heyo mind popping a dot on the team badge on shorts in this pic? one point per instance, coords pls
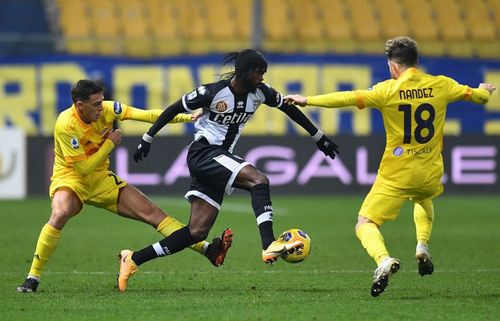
(398, 151)
(221, 106)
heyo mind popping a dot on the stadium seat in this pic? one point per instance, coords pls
(165, 28)
(104, 15)
(366, 27)
(391, 18)
(278, 26)
(242, 13)
(337, 27)
(477, 19)
(193, 25)
(77, 32)
(448, 15)
(309, 30)
(134, 18)
(422, 26)
(221, 24)
(147, 28)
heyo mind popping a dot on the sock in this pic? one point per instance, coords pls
(262, 207)
(423, 215)
(373, 241)
(169, 225)
(174, 243)
(45, 246)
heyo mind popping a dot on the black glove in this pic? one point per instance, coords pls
(328, 147)
(142, 150)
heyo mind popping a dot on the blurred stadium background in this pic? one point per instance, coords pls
(159, 28)
(148, 52)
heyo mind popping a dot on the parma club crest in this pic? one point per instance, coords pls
(221, 106)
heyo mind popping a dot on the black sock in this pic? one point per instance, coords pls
(173, 243)
(262, 207)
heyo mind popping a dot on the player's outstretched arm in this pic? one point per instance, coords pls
(327, 146)
(331, 100)
(151, 115)
(166, 116)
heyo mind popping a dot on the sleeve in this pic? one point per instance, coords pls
(182, 118)
(151, 115)
(87, 166)
(198, 98)
(373, 97)
(458, 91)
(298, 117)
(272, 97)
(166, 116)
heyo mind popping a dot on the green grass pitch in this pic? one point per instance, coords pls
(332, 284)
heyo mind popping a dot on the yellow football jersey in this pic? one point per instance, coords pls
(413, 108)
(75, 140)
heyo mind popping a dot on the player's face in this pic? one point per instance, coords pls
(254, 79)
(91, 109)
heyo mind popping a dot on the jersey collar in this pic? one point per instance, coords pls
(75, 113)
(408, 73)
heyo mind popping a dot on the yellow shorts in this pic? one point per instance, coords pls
(98, 189)
(384, 202)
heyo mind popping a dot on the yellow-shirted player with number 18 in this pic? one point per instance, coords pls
(83, 139)
(413, 105)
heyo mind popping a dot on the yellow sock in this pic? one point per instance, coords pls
(423, 215)
(45, 246)
(169, 225)
(373, 241)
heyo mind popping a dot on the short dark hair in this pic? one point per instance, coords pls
(83, 89)
(402, 50)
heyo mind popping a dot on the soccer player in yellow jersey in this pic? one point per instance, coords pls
(83, 139)
(413, 105)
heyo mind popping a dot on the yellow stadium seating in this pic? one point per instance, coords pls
(147, 28)
(134, 19)
(391, 18)
(78, 31)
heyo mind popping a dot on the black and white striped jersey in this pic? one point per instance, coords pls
(225, 112)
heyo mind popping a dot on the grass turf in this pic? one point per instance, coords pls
(332, 284)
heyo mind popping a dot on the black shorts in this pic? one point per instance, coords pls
(213, 170)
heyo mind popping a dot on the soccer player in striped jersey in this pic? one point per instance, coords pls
(413, 105)
(83, 139)
(227, 105)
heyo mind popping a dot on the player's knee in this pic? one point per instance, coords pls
(260, 179)
(59, 217)
(362, 220)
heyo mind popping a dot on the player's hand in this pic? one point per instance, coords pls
(143, 148)
(196, 115)
(115, 136)
(488, 87)
(296, 100)
(328, 147)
